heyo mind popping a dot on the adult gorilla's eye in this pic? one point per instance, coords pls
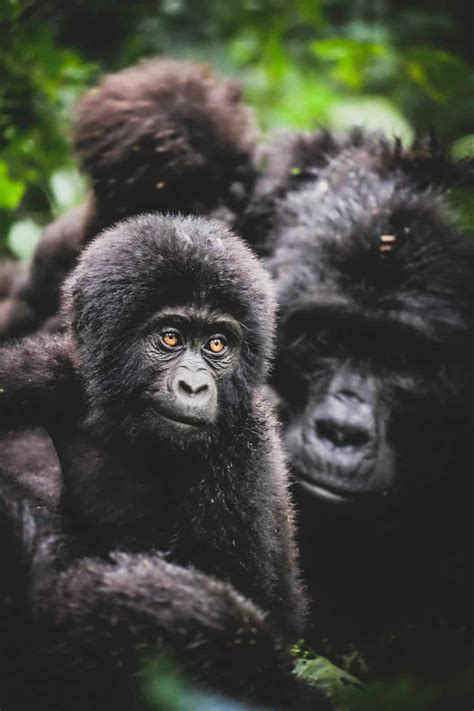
(322, 338)
(216, 344)
(171, 339)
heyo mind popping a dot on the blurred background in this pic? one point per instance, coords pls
(404, 66)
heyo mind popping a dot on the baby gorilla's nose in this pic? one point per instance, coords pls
(193, 384)
(195, 395)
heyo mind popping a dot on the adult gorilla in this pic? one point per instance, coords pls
(374, 378)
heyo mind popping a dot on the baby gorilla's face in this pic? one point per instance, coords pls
(189, 355)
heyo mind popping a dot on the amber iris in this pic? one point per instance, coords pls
(216, 345)
(170, 339)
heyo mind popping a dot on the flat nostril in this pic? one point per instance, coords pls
(342, 435)
(190, 389)
(185, 387)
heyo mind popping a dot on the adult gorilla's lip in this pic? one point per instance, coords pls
(324, 493)
(316, 488)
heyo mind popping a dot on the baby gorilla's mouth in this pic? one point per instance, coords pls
(184, 419)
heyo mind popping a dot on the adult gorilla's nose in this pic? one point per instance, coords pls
(341, 422)
(341, 434)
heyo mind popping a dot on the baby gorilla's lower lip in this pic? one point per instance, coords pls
(187, 420)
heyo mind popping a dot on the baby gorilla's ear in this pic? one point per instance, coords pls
(165, 135)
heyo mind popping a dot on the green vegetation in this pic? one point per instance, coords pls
(403, 67)
(390, 65)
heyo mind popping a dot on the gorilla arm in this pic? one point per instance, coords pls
(37, 382)
(90, 626)
(115, 615)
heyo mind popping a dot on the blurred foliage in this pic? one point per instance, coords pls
(398, 66)
(348, 694)
(40, 82)
(166, 689)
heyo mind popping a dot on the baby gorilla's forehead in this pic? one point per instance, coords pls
(196, 319)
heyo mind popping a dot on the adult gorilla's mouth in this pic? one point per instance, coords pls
(329, 493)
(360, 497)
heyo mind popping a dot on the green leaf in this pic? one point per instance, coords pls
(462, 202)
(324, 675)
(352, 58)
(245, 47)
(11, 191)
(439, 73)
(463, 147)
(10, 9)
(320, 672)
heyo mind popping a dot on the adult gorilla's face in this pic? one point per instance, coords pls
(371, 405)
(375, 290)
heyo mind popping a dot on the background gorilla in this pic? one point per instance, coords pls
(165, 441)
(374, 374)
(164, 135)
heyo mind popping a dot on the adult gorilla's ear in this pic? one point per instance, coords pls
(165, 135)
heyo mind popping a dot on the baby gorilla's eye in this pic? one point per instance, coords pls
(171, 339)
(216, 344)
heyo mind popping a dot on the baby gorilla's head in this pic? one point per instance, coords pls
(173, 319)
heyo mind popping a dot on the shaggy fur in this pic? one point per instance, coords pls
(80, 635)
(164, 135)
(217, 500)
(294, 161)
(374, 373)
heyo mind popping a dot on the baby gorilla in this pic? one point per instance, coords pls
(153, 401)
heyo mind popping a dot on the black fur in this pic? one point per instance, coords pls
(79, 635)
(216, 500)
(375, 285)
(165, 135)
